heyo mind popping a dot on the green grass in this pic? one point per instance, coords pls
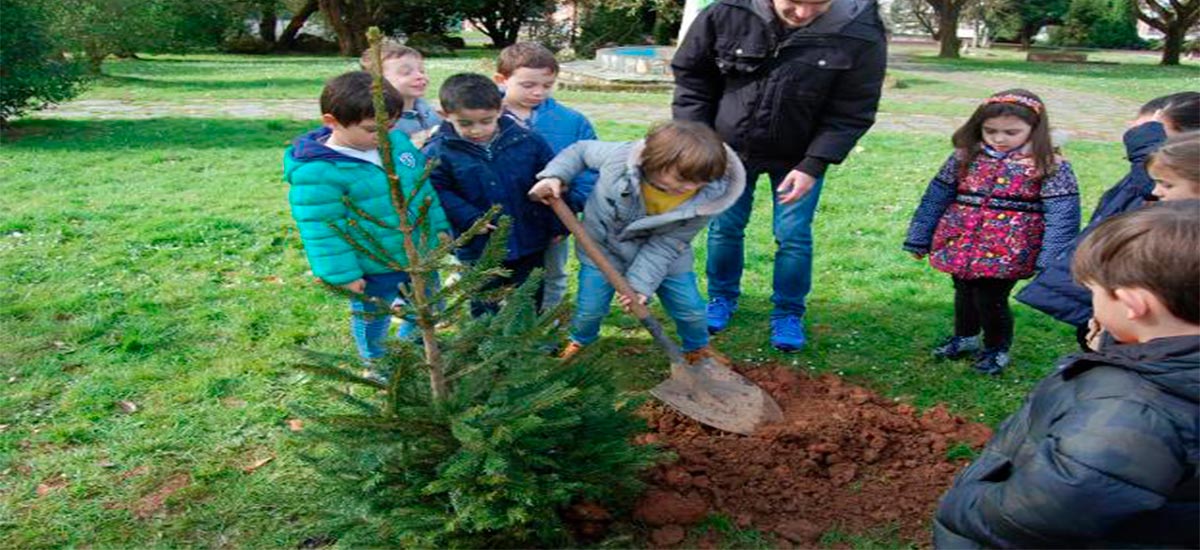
(154, 262)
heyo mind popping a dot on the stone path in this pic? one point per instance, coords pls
(1081, 115)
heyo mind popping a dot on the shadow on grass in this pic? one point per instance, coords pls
(199, 85)
(151, 134)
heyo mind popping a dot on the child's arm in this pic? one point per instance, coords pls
(461, 213)
(321, 217)
(654, 258)
(937, 198)
(1060, 199)
(581, 187)
(1106, 461)
(580, 156)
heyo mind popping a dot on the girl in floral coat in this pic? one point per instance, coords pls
(1001, 206)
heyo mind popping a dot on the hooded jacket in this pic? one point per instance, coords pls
(562, 126)
(1103, 453)
(321, 179)
(1053, 291)
(471, 177)
(645, 248)
(798, 99)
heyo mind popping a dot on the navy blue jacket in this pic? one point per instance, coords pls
(470, 178)
(561, 127)
(1103, 453)
(1053, 291)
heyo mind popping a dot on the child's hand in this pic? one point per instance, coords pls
(626, 302)
(419, 138)
(356, 287)
(543, 190)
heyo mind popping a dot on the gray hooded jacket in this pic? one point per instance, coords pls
(645, 248)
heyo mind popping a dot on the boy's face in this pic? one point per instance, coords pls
(475, 125)
(1170, 186)
(527, 88)
(361, 135)
(671, 184)
(407, 75)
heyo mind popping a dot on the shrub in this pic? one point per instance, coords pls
(34, 73)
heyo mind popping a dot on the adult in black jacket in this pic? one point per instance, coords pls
(791, 85)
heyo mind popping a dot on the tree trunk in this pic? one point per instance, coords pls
(948, 28)
(1173, 44)
(347, 18)
(266, 25)
(288, 39)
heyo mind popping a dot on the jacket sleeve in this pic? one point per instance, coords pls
(698, 81)
(849, 111)
(649, 267)
(461, 213)
(320, 215)
(580, 156)
(1060, 198)
(1104, 462)
(581, 187)
(938, 196)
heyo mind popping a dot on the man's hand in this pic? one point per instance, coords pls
(795, 186)
(356, 287)
(543, 190)
(1095, 335)
(626, 302)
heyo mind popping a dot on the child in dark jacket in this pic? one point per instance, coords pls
(527, 72)
(1000, 207)
(1052, 291)
(1105, 452)
(485, 159)
(340, 162)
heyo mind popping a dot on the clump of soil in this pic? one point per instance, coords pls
(843, 458)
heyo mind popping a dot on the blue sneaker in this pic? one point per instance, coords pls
(720, 311)
(787, 333)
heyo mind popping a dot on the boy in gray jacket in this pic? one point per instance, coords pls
(652, 197)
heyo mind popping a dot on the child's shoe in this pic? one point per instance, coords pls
(992, 361)
(706, 352)
(373, 371)
(957, 347)
(787, 333)
(573, 348)
(718, 314)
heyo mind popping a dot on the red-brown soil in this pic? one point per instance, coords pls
(844, 458)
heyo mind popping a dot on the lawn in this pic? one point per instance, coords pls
(154, 295)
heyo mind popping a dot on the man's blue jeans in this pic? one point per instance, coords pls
(792, 226)
(369, 331)
(680, 296)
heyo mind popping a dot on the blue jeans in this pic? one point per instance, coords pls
(792, 226)
(369, 331)
(680, 296)
(555, 275)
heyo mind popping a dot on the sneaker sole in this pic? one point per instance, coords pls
(786, 348)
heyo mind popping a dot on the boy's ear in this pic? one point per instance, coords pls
(1136, 301)
(329, 121)
(499, 79)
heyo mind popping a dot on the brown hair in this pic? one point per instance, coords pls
(1180, 154)
(690, 150)
(348, 98)
(528, 55)
(1156, 247)
(389, 49)
(1017, 102)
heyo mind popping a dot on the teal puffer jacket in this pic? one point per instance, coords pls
(320, 177)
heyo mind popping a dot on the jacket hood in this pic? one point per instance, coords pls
(840, 15)
(311, 147)
(1143, 139)
(1172, 364)
(710, 200)
(506, 130)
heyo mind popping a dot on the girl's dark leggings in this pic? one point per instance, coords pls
(983, 304)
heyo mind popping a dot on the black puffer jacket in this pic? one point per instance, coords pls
(783, 100)
(1104, 453)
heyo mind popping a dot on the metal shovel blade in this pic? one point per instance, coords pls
(717, 396)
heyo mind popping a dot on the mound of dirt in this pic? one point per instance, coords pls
(844, 458)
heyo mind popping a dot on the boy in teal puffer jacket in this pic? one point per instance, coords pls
(342, 160)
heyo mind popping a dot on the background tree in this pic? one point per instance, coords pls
(948, 13)
(287, 38)
(1173, 18)
(501, 20)
(1100, 24)
(1032, 15)
(349, 20)
(34, 73)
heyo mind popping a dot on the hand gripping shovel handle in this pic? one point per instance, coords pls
(615, 279)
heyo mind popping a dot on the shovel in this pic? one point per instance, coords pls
(708, 392)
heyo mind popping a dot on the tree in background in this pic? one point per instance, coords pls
(1100, 24)
(948, 13)
(501, 20)
(1173, 18)
(1032, 15)
(349, 20)
(34, 73)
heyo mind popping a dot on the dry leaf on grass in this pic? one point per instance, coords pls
(150, 504)
(258, 464)
(127, 407)
(51, 484)
(295, 424)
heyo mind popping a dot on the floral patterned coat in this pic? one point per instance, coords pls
(1000, 221)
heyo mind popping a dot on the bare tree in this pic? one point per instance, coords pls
(1171, 17)
(948, 12)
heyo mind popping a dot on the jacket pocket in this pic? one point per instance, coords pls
(741, 58)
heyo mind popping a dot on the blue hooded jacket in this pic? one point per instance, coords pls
(561, 127)
(471, 177)
(1053, 291)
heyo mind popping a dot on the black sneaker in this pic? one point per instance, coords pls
(992, 361)
(957, 347)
